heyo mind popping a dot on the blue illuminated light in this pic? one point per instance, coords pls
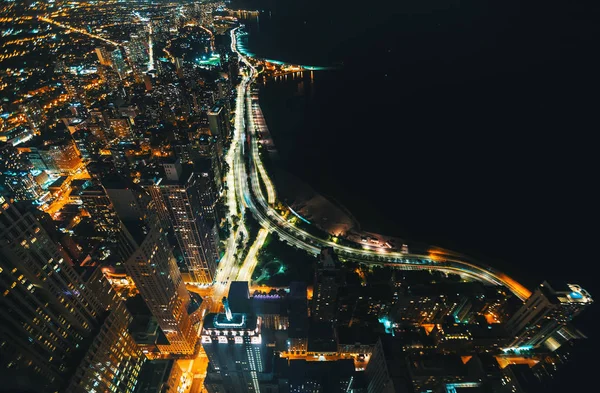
(298, 215)
(451, 387)
(387, 324)
(231, 324)
(576, 295)
(518, 349)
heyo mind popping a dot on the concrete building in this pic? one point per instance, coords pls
(47, 312)
(328, 279)
(186, 202)
(239, 356)
(218, 121)
(114, 360)
(159, 376)
(99, 206)
(546, 313)
(150, 262)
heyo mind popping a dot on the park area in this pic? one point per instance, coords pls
(279, 264)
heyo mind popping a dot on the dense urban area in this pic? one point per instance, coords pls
(143, 246)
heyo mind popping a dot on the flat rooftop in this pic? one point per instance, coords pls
(239, 321)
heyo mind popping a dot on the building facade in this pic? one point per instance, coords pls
(114, 360)
(325, 288)
(47, 312)
(153, 268)
(150, 262)
(237, 353)
(545, 313)
(218, 121)
(184, 201)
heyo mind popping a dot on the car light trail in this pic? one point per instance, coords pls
(150, 49)
(77, 30)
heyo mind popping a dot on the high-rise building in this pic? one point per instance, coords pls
(151, 264)
(113, 58)
(218, 122)
(328, 279)
(239, 297)
(20, 185)
(153, 268)
(236, 351)
(99, 284)
(137, 52)
(186, 202)
(546, 313)
(272, 309)
(61, 157)
(223, 93)
(233, 68)
(97, 203)
(103, 54)
(298, 317)
(46, 310)
(10, 158)
(162, 376)
(120, 154)
(118, 63)
(148, 81)
(211, 148)
(302, 376)
(386, 370)
(74, 86)
(114, 360)
(88, 144)
(179, 67)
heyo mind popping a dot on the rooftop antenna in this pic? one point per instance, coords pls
(227, 309)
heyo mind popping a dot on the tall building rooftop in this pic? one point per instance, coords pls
(238, 322)
(569, 293)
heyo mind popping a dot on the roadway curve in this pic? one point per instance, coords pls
(251, 196)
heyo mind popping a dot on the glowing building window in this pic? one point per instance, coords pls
(256, 340)
(206, 339)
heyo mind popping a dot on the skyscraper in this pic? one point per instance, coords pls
(118, 63)
(20, 184)
(10, 158)
(186, 201)
(153, 269)
(151, 264)
(114, 360)
(325, 288)
(47, 312)
(137, 52)
(98, 205)
(546, 313)
(236, 351)
(211, 149)
(218, 122)
(61, 157)
(386, 370)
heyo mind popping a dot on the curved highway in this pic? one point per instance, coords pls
(250, 195)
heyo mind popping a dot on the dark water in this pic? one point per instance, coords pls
(466, 124)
